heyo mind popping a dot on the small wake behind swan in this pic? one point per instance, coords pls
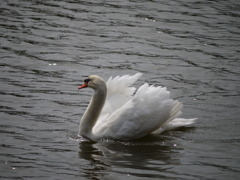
(117, 111)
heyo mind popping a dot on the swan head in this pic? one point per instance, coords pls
(94, 82)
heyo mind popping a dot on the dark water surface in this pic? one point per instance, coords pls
(48, 47)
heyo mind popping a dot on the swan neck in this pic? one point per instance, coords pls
(92, 113)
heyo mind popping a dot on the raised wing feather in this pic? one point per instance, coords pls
(119, 92)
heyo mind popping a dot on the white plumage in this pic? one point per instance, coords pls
(127, 114)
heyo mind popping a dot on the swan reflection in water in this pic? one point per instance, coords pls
(139, 158)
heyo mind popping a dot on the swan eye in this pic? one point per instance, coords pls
(87, 80)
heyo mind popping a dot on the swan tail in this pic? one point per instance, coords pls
(173, 124)
(175, 111)
(173, 121)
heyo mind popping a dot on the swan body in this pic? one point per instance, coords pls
(117, 111)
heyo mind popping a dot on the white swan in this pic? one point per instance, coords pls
(117, 112)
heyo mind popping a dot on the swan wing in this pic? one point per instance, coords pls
(145, 112)
(119, 91)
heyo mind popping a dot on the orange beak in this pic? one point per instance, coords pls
(83, 86)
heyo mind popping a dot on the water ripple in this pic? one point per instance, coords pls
(49, 47)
